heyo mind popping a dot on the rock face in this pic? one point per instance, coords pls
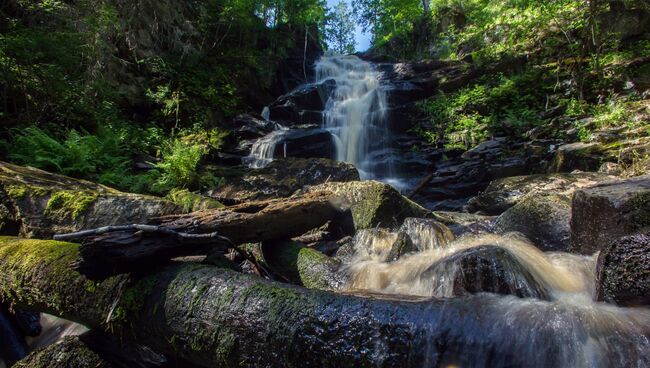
(305, 143)
(504, 193)
(283, 177)
(543, 218)
(609, 211)
(374, 204)
(489, 269)
(35, 203)
(303, 105)
(623, 271)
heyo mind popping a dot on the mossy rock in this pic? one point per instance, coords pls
(543, 218)
(191, 202)
(69, 352)
(35, 203)
(578, 156)
(282, 178)
(374, 203)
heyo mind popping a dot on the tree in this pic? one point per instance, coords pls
(340, 29)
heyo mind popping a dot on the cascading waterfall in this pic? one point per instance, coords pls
(263, 149)
(569, 328)
(356, 114)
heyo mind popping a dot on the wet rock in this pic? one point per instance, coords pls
(39, 204)
(489, 269)
(247, 126)
(381, 245)
(543, 218)
(577, 156)
(305, 143)
(70, 352)
(487, 149)
(374, 204)
(423, 234)
(283, 177)
(504, 193)
(461, 223)
(302, 105)
(623, 271)
(609, 211)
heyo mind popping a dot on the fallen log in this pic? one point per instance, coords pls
(119, 249)
(215, 317)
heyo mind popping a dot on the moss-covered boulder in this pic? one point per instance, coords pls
(303, 265)
(504, 193)
(609, 211)
(283, 177)
(374, 204)
(69, 352)
(543, 218)
(190, 201)
(578, 156)
(623, 271)
(35, 203)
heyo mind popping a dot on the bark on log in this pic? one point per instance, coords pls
(137, 248)
(216, 317)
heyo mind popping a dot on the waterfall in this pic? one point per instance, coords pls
(264, 148)
(356, 114)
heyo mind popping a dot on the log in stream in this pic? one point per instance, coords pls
(216, 317)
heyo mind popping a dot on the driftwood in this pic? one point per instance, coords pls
(214, 317)
(112, 250)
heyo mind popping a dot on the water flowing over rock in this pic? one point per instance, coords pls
(356, 114)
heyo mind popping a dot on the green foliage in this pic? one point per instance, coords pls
(339, 29)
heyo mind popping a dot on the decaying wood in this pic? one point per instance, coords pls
(112, 250)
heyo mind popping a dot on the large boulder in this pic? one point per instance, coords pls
(305, 143)
(283, 177)
(623, 271)
(504, 193)
(303, 105)
(609, 211)
(543, 218)
(35, 203)
(374, 203)
(488, 269)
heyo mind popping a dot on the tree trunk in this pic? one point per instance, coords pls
(106, 252)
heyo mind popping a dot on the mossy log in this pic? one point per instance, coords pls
(70, 352)
(106, 253)
(214, 317)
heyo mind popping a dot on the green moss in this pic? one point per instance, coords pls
(190, 201)
(133, 299)
(69, 203)
(16, 192)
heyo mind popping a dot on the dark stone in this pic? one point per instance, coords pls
(281, 178)
(306, 143)
(302, 105)
(247, 126)
(609, 211)
(489, 269)
(623, 271)
(543, 218)
(577, 156)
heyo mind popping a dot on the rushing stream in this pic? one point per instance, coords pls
(562, 327)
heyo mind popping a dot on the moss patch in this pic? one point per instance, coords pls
(69, 203)
(191, 201)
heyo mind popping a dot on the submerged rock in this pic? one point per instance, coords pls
(374, 204)
(609, 211)
(35, 203)
(283, 177)
(423, 234)
(488, 269)
(504, 193)
(623, 271)
(543, 218)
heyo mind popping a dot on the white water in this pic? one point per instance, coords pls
(263, 148)
(356, 114)
(569, 330)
